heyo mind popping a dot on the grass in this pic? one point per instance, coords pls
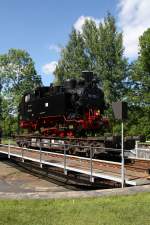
(133, 210)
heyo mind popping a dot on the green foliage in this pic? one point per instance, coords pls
(138, 94)
(0, 104)
(140, 73)
(98, 49)
(139, 86)
(143, 66)
(9, 122)
(73, 58)
(111, 64)
(18, 76)
(144, 53)
(91, 44)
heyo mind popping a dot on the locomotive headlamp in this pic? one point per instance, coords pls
(97, 113)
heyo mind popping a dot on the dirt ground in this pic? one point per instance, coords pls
(13, 178)
(17, 182)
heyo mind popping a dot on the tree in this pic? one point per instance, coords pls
(73, 58)
(99, 49)
(111, 63)
(140, 73)
(9, 121)
(92, 46)
(18, 75)
(139, 89)
(143, 65)
(144, 52)
(0, 105)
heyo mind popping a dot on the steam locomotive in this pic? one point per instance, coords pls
(72, 109)
(68, 114)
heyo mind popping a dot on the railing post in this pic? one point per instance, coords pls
(146, 154)
(22, 153)
(136, 149)
(65, 160)
(40, 155)
(122, 156)
(9, 149)
(91, 165)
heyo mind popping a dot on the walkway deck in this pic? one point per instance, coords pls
(94, 168)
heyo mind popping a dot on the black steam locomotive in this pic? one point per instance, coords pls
(72, 109)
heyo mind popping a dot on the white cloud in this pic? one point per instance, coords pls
(78, 25)
(133, 19)
(49, 68)
(55, 48)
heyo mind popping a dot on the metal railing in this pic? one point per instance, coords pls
(142, 153)
(60, 159)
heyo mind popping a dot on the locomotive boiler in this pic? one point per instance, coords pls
(72, 109)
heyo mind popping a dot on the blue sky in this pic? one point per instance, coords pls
(41, 27)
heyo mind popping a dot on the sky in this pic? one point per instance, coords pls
(42, 27)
